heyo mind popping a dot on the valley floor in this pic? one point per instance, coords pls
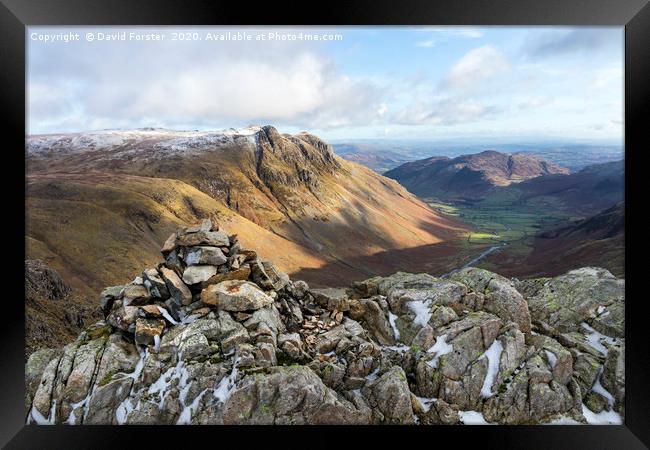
(507, 238)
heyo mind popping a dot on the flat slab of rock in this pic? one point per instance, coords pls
(235, 295)
(205, 255)
(136, 294)
(331, 298)
(238, 274)
(265, 274)
(177, 289)
(169, 245)
(198, 274)
(204, 225)
(211, 238)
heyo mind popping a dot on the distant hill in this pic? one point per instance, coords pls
(470, 176)
(374, 158)
(586, 192)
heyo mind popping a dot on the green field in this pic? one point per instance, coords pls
(503, 219)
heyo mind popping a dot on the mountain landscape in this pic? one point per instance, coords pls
(98, 203)
(222, 332)
(105, 199)
(431, 238)
(524, 209)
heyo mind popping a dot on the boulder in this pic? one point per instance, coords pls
(288, 395)
(34, 368)
(501, 296)
(198, 274)
(204, 255)
(390, 396)
(123, 317)
(203, 238)
(146, 330)
(566, 301)
(177, 289)
(377, 322)
(108, 296)
(243, 273)
(331, 299)
(235, 295)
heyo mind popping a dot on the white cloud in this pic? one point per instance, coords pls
(477, 65)
(426, 44)
(443, 34)
(448, 111)
(281, 84)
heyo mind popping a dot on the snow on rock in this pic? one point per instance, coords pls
(601, 418)
(156, 138)
(552, 359)
(598, 388)
(493, 354)
(227, 384)
(472, 418)
(166, 315)
(425, 402)
(563, 420)
(596, 339)
(392, 318)
(421, 310)
(439, 348)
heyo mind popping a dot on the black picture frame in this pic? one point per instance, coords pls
(15, 15)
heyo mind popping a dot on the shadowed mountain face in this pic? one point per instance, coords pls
(589, 191)
(598, 240)
(103, 200)
(470, 176)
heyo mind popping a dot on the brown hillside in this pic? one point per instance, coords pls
(99, 204)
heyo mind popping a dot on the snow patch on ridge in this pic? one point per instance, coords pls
(439, 348)
(392, 318)
(421, 310)
(169, 141)
(493, 355)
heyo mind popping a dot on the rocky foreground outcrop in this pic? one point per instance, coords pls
(213, 335)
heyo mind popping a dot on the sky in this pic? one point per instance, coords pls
(337, 82)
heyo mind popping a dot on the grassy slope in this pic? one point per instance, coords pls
(98, 230)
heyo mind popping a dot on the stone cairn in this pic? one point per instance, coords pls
(206, 268)
(214, 335)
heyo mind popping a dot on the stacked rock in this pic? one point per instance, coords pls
(204, 267)
(213, 335)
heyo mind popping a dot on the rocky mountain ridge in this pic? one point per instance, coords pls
(470, 175)
(215, 335)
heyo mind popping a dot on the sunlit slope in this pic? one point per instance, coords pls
(97, 229)
(304, 205)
